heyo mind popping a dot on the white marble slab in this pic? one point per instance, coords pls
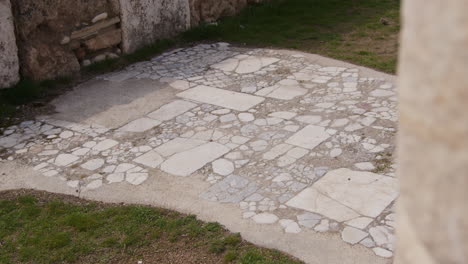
(223, 98)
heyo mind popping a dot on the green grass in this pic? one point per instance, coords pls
(41, 230)
(334, 28)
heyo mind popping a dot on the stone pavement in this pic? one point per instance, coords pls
(291, 140)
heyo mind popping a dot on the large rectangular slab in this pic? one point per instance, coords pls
(150, 159)
(312, 200)
(171, 110)
(178, 145)
(140, 125)
(309, 137)
(365, 192)
(186, 163)
(223, 98)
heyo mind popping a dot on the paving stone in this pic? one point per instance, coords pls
(282, 177)
(353, 189)
(335, 152)
(136, 178)
(231, 189)
(140, 125)
(382, 235)
(73, 184)
(178, 145)
(171, 110)
(180, 85)
(367, 166)
(360, 222)
(221, 111)
(227, 118)
(367, 242)
(63, 160)
(94, 185)
(116, 177)
(283, 115)
(297, 152)
(187, 162)
(324, 226)
(223, 167)
(265, 218)
(93, 164)
(381, 93)
(322, 204)
(309, 119)
(123, 167)
(309, 137)
(382, 252)
(105, 145)
(277, 151)
(309, 219)
(150, 159)
(66, 134)
(223, 98)
(290, 226)
(287, 92)
(352, 235)
(246, 117)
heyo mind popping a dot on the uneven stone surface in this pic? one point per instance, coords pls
(316, 164)
(9, 64)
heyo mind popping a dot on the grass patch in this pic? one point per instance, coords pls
(334, 28)
(383, 164)
(46, 228)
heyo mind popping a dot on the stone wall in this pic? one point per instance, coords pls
(9, 65)
(58, 37)
(55, 36)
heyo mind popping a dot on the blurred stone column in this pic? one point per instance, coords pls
(9, 65)
(433, 139)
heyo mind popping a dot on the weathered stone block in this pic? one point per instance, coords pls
(145, 21)
(41, 61)
(105, 40)
(9, 65)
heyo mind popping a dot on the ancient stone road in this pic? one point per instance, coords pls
(292, 143)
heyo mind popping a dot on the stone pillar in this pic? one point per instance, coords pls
(433, 134)
(9, 65)
(145, 21)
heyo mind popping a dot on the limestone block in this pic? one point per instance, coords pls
(105, 40)
(9, 65)
(145, 21)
